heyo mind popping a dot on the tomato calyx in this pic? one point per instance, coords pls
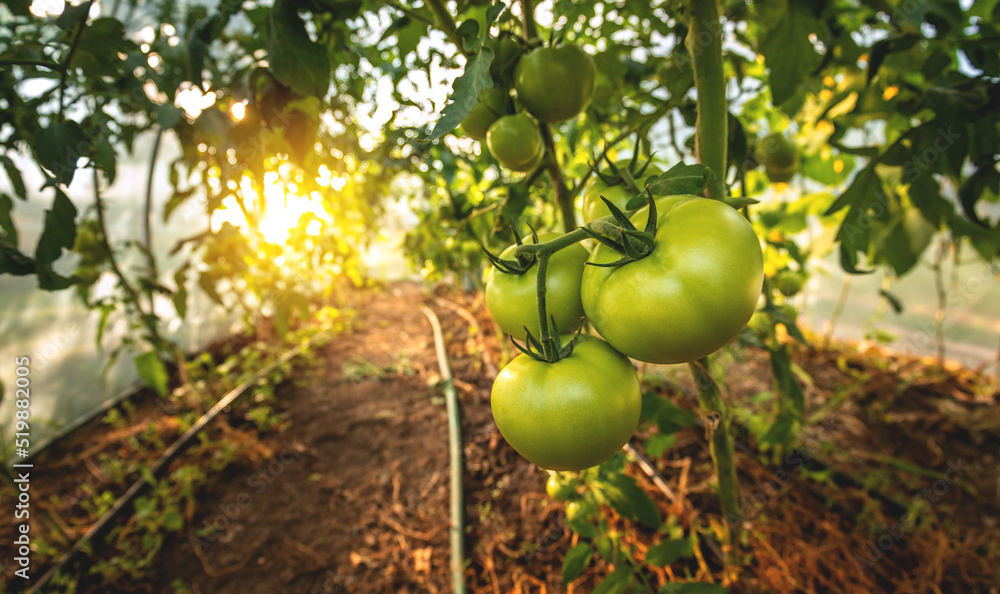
(522, 262)
(624, 176)
(621, 235)
(548, 349)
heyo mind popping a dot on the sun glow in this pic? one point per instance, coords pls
(282, 212)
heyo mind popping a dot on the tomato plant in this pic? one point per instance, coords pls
(516, 142)
(512, 300)
(556, 83)
(690, 296)
(571, 414)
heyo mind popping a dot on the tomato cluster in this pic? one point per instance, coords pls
(551, 84)
(686, 297)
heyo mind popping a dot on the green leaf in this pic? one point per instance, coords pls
(178, 198)
(894, 302)
(576, 561)
(680, 180)
(618, 582)
(658, 444)
(465, 93)
(59, 232)
(693, 588)
(295, 60)
(6, 223)
(584, 528)
(671, 418)
(867, 202)
(105, 158)
(180, 295)
(172, 520)
(152, 371)
(789, 55)
(631, 501)
(16, 181)
(58, 147)
(666, 552)
(207, 283)
(71, 14)
(168, 116)
(19, 7)
(781, 367)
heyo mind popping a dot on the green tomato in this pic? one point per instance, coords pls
(690, 296)
(780, 157)
(506, 54)
(571, 414)
(556, 83)
(594, 208)
(559, 488)
(512, 299)
(789, 282)
(760, 324)
(494, 102)
(87, 274)
(516, 142)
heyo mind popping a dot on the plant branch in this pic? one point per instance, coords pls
(53, 66)
(446, 23)
(528, 18)
(563, 197)
(69, 56)
(704, 42)
(151, 259)
(720, 439)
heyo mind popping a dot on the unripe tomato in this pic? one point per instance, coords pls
(779, 156)
(571, 414)
(789, 282)
(594, 208)
(494, 102)
(690, 296)
(556, 83)
(512, 299)
(515, 141)
(87, 273)
(760, 324)
(506, 54)
(559, 488)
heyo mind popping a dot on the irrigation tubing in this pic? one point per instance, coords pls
(161, 463)
(457, 532)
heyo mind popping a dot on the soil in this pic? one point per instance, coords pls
(352, 495)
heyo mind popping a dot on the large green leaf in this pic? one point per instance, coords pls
(59, 233)
(680, 180)
(58, 147)
(16, 181)
(465, 93)
(788, 53)
(296, 60)
(866, 202)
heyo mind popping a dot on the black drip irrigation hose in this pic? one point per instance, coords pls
(102, 525)
(456, 532)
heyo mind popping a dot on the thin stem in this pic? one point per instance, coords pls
(446, 23)
(528, 18)
(53, 66)
(704, 42)
(148, 224)
(131, 294)
(942, 300)
(543, 316)
(69, 57)
(721, 440)
(838, 309)
(563, 197)
(412, 14)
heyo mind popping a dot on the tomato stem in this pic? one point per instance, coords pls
(704, 42)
